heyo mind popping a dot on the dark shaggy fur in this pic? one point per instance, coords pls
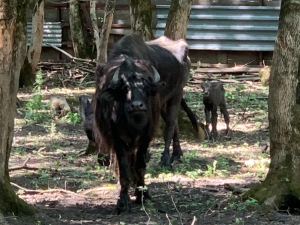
(214, 97)
(87, 115)
(170, 58)
(126, 117)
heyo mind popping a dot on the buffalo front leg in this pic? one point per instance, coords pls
(207, 112)
(141, 191)
(214, 121)
(177, 151)
(124, 202)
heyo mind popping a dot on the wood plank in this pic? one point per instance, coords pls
(116, 26)
(245, 69)
(211, 65)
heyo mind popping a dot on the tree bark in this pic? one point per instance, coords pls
(141, 18)
(95, 27)
(178, 18)
(28, 71)
(281, 188)
(12, 54)
(106, 27)
(76, 29)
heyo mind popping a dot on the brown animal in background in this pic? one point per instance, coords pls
(59, 105)
(214, 97)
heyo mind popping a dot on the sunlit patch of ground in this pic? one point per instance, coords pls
(69, 188)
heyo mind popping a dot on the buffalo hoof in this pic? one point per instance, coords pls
(141, 195)
(124, 204)
(213, 136)
(227, 131)
(176, 157)
(165, 162)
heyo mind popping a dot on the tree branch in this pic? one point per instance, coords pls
(24, 166)
(70, 56)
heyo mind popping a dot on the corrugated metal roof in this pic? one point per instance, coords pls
(52, 33)
(241, 28)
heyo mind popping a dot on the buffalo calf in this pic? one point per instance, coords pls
(87, 116)
(214, 96)
(86, 112)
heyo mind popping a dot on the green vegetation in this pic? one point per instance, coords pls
(36, 110)
(72, 118)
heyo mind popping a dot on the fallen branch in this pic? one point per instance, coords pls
(31, 191)
(24, 166)
(244, 69)
(174, 203)
(194, 220)
(210, 189)
(70, 56)
(86, 70)
(235, 189)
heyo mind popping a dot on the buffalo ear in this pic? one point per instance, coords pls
(216, 84)
(202, 85)
(158, 87)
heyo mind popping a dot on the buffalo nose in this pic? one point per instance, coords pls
(206, 92)
(138, 105)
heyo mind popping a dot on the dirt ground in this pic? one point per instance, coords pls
(68, 188)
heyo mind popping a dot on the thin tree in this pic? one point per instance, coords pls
(178, 18)
(141, 18)
(106, 27)
(13, 50)
(76, 29)
(281, 188)
(28, 71)
(94, 20)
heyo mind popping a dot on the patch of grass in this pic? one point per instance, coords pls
(238, 205)
(19, 150)
(35, 109)
(72, 118)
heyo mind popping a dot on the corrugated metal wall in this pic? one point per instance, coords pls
(238, 28)
(52, 33)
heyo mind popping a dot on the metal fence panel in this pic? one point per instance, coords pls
(240, 28)
(52, 33)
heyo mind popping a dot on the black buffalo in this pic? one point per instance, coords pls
(170, 58)
(127, 112)
(214, 97)
(87, 116)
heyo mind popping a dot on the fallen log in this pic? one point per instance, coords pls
(244, 69)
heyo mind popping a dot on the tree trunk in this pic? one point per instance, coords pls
(95, 27)
(178, 18)
(28, 71)
(141, 18)
(281, 188)
(12, 50)
(76, 29)
(106, 27)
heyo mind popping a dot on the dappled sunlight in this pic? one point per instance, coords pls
(58, 91)
(63, 178)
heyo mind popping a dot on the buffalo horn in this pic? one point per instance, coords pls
(156, 75)
(116, 76)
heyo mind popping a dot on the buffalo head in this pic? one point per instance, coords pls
(208, 87)
(137, 83)
(133, 85)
